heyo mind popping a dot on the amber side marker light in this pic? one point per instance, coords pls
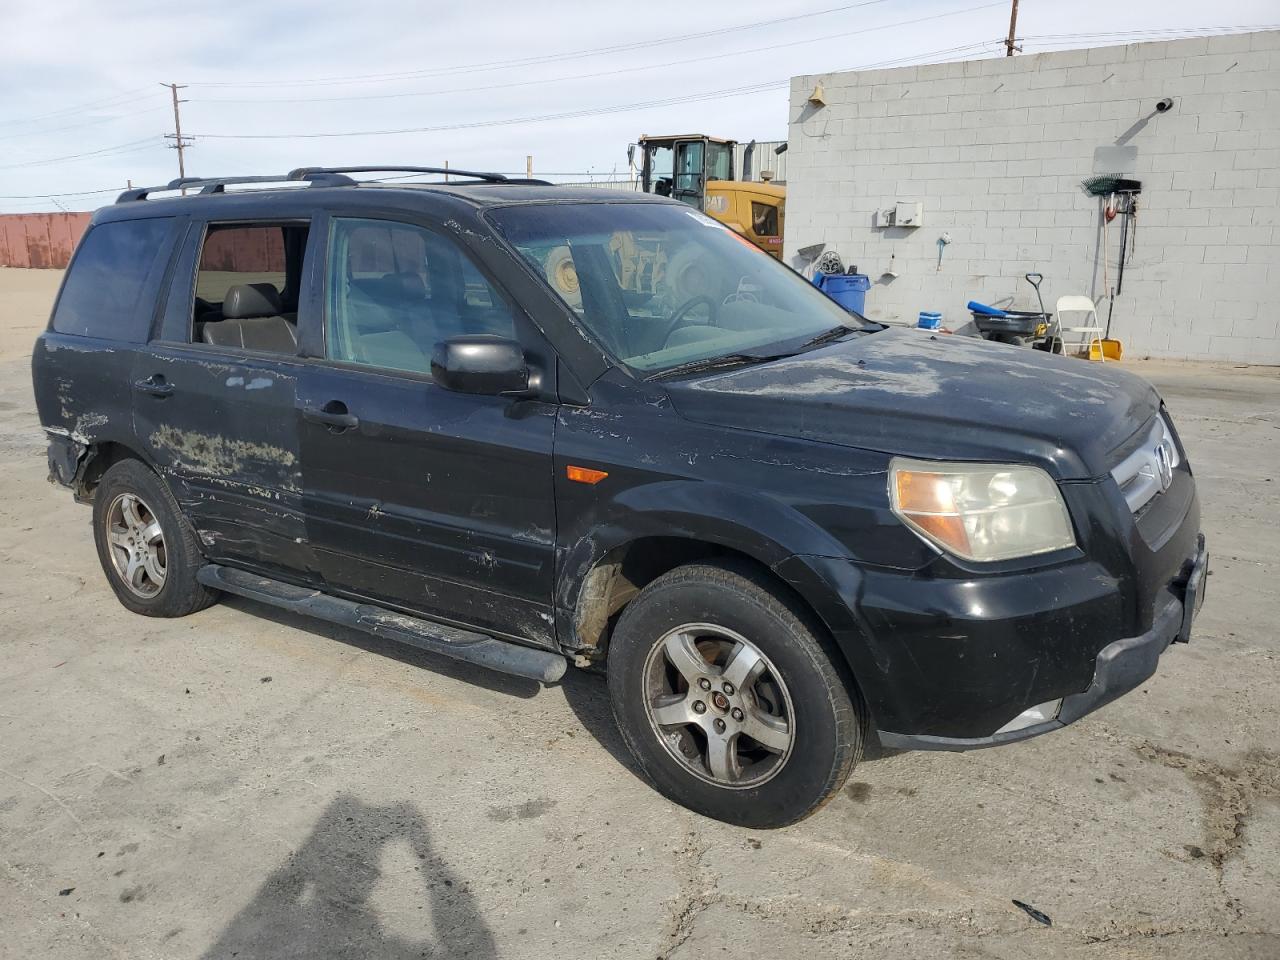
(584, 474)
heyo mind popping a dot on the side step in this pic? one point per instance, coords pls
(541, 665)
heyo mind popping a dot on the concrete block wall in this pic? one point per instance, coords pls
(996, 150)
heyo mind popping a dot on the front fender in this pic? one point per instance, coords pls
(722, 515)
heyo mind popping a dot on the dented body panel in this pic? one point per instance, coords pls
(460, 508)
(227, 440)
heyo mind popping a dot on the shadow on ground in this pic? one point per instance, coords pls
(317, 904)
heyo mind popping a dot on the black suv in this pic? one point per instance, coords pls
(523, 426)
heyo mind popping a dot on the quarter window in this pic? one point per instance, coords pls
(103, 290)
(396, 290)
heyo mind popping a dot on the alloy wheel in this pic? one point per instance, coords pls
(136, 543)
(718, 705)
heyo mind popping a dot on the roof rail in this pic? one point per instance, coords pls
(313, 176)
(204, 184)
(314, 173)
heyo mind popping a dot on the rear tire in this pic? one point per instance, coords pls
(672, 659)
(146, 547)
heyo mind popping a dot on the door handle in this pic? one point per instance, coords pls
(332, 414)
(155, 385)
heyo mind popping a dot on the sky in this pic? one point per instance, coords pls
(480, 85)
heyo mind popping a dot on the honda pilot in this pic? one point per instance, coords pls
(529, 426)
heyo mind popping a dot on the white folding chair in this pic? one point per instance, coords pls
(1080, 329)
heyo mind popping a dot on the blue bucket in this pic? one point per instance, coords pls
(847, 289)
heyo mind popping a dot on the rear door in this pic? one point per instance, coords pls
(217, 417)
(83, 364)
(436, 502)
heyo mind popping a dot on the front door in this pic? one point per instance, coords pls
(436, 502)
(689, 172)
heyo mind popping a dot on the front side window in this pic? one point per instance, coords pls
(102, 293)
(396, 290)
(660, 285)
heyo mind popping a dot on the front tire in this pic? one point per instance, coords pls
(146, 547)
(730, 699)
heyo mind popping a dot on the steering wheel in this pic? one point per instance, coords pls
(677, 317)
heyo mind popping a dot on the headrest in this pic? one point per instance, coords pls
(409, 284)
(251, 300)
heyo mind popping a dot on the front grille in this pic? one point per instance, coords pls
(1147, 472)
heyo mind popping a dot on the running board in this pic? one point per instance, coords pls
(478, 648)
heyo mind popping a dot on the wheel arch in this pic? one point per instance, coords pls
(618, 575)
(99, 457)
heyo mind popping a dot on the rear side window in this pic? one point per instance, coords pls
(247, 286)
(235, 255)
(102, 293)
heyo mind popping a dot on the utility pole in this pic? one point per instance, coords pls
(179, 142)
(1013, 29)
(528, 166)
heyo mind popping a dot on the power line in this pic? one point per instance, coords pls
(122, 148)
(545, 58)
(75, 193)
(572, 114)
(566, 115)
(77, 126)
(1155, 32)
(103, 102)
(599, 74)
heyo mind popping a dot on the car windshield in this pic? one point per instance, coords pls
(662, 286)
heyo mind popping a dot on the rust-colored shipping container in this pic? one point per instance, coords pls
(40, 240)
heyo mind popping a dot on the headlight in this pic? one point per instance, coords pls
(981, 511)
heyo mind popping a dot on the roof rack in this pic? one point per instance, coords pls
(204, 185)
(312, 176)
(315, 173)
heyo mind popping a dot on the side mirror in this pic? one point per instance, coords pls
(494, 366)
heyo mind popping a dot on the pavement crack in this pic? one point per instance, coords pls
(697, 893)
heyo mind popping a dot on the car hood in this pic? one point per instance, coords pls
(910, 393)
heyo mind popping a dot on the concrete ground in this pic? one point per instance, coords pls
(245, 784)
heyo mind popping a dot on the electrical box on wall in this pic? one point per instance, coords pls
(904, 213)
(908, 213)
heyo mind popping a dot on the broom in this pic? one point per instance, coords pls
(1108, 185)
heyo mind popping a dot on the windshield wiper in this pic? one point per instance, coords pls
(836, 333)
(717, 363)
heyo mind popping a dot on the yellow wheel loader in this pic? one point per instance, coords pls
(699, 170)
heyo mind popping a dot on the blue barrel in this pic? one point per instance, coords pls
(847, 289)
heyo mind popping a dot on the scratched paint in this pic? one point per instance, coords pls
(219, 456)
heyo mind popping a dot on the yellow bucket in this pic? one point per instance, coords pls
(1106, 350)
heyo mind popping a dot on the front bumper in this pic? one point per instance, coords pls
(1120, 666)
(950, 662)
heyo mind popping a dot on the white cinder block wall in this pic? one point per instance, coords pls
(996, 149)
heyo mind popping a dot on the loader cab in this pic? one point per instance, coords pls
(681, 167)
